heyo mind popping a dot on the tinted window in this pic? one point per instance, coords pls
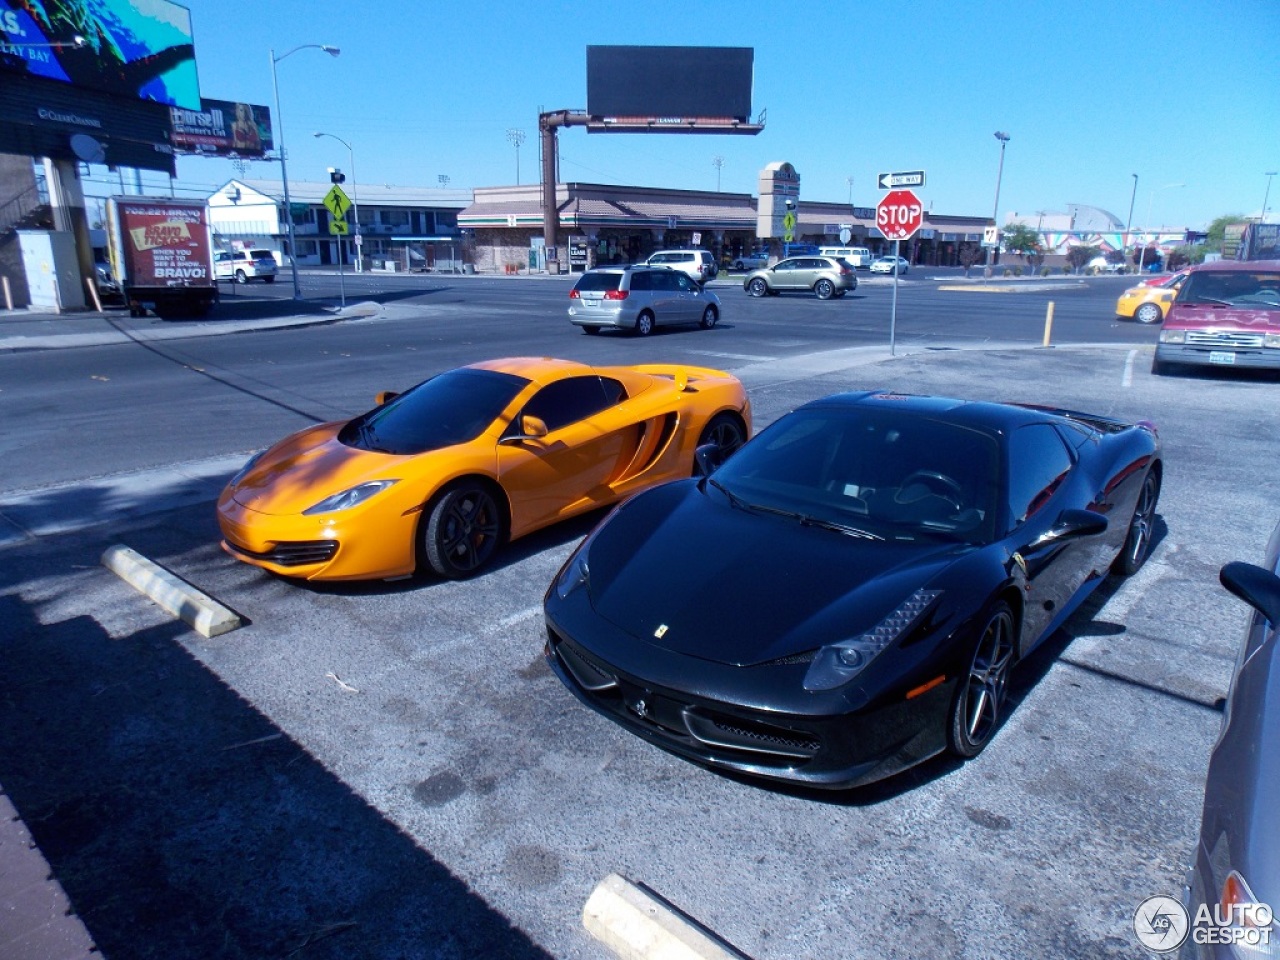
(666, 280)
(452, 408)
(670, 257)
(567, 401)
(787, 265)
(599, 281)
(262, 255)
(684, 283)
(900, 476)
(642, 280)
(1038, 463)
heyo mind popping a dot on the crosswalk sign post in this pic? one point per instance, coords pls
(338, 203)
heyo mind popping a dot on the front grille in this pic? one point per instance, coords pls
(292, 553)
(735, 733)
(1223, 338)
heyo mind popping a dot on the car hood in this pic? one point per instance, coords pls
(303, 469)
(681, 569)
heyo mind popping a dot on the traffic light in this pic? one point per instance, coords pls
(336, 175)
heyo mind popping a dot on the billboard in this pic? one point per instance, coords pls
(42, 119)
(222, 128)
(140, 49)
(670, 83)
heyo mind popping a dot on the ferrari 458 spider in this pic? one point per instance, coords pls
(847, 595)
(442, 474)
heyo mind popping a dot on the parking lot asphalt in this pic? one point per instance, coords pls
(368, 769)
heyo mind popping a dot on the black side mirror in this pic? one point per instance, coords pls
(1071, 525)
(707, 459)
(1256, 586)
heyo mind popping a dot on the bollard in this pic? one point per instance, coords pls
(8, 294)
(93, 293)
(1048, 324)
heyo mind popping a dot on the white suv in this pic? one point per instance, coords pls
(245, 265)
(698, 264)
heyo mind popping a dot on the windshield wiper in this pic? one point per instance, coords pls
(809, 521)
(734, 499)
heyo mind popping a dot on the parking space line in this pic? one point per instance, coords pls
(638, 924)
(734, 356)
(1126, 380)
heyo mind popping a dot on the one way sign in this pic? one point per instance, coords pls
(891, 181)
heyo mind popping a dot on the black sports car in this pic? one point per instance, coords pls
(847, 594)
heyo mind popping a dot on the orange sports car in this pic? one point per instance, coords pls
(442, 474)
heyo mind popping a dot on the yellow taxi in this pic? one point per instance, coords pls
(1149, 301)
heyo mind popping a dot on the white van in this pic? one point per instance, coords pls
(854, 256)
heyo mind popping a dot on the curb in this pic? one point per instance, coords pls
(1024, 287)
(197, 609)
(637, 924)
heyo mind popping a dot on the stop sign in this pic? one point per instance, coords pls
(899, 214)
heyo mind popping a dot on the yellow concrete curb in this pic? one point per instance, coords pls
(637, 924)
(200, 611)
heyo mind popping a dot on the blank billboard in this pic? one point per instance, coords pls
(670, 82)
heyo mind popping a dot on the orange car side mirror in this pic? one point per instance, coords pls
(533, 427)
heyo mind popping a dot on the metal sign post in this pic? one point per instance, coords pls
(893, 314)
(899, 214)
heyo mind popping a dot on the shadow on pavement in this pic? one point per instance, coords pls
(183, 823)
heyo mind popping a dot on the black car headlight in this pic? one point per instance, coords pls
(351, 497)
(838, 663)
(575, 574)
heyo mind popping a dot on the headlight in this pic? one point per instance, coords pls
(1173, 336)
(1271, 340)
(574, 575)
(349, 498)
(248, 465)
(838, 663)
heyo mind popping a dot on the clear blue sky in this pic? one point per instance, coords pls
(1090, 93)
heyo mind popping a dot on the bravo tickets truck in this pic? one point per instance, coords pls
(161, 250)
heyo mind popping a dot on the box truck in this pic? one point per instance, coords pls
(161, 251)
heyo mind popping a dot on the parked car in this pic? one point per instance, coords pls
(1235, 868)
(750, 261)
(245, 265)
(847, 594)
(1225, 314)
(638, 299)
(443, 474)
(698, 265)
(1149, 301)
(827, 277)
(885, 265)
(1101, 264)
(857, 257)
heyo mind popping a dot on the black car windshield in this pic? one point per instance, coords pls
(599, 281)
(893, 475)
(1235, 288)
(452, 408)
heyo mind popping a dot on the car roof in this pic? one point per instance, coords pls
(540, 370)
(1246, 265)
(983, 415)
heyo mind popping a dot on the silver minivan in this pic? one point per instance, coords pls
(638, 299)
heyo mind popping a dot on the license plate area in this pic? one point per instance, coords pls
(1222, 356)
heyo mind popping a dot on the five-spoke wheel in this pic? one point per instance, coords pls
(978, 705)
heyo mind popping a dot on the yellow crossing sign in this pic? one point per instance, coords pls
(337, 202)
(339, 228)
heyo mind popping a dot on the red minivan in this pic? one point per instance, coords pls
(1226, 314)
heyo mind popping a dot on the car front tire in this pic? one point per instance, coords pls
(709, 317)
(1137, 542)
(977, 707)
(462, 529)
(1148, 313)
(757, 287)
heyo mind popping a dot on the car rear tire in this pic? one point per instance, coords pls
(824, 289)
(591, 331)
(644, 324)
(757, 287)
(978, 703)
(270, 279)
(241, 277)
(1148, 313)
(739, 265)
(462, 528)
(726, 431)
(709, 317)
(1137, 542)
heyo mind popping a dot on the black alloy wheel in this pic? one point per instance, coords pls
(462, 530)
(978, 705)
(726, 432)
(1137, 542)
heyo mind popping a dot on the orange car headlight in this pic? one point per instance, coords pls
(351, 497)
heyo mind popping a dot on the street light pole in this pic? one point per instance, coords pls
(995, 215)
(1151, 199)
(515, 137)
(355, 197)
(717, 161)
(284, 169)
(1128, 228)
(1266, 196)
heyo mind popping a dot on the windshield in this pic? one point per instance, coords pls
(261, 255)
(1233, 288)
(452, 408)
(885, 473)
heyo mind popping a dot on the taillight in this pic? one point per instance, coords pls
(615, 294)
(573, 294)
(845, 271)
